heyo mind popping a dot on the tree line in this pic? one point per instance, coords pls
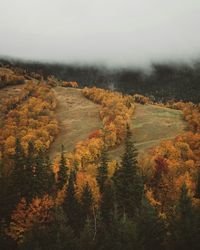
(33, 217)
(164, 80)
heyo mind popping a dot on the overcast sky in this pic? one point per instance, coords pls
(114, 32)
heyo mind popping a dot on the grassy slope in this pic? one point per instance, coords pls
(77, 116)
(152, 124)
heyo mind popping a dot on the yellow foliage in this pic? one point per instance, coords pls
(25, 216)
(153, 202)
(115, 113)
(82, 179)
(28, 117)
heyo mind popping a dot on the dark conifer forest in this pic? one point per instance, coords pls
(162, 81)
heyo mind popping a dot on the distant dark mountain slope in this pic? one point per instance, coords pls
(165, 82)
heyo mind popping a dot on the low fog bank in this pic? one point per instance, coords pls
(163, 80)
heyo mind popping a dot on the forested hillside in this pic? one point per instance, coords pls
(91, 168)
(162, 81)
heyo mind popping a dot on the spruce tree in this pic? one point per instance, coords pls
(29, 190)
(127, 180)
(121, 234)
(71, 205)
(86, 202)
(87, 240)
(107, 204)
(17, 179)
(43, 174)
(62, 172)
(18, 172)
(8, 198)
(151, 228)
(102, 170)
(57, 234)
(185, 231)
(197, 191)
(185, 203)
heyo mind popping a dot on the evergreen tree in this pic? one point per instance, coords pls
(86, 202)
(15, 181)
(121, 234)
(29, 179)
(102, 169)
(43, 174)
(87, 240)
(62, 172)
(184, 231)
(127, 180)
(32, 174)
(55, 235)
(107, 204)
(185, 203)
(151, 228)
(18, 172)
(71, 205)
(197, 191)
(6, 243)
(8, 198)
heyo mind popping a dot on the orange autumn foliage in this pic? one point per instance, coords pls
(115, 112)
(141, 99)
(28, 117)
(82, 179)
(26, 215)
(70, 84)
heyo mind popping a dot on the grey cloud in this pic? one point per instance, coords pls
(114, 32)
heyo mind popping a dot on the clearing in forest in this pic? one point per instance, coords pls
(77, 117)
(152, 124)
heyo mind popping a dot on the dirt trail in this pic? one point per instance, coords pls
(77, 117)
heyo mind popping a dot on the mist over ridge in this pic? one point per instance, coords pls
(128, 33)
(163, 80)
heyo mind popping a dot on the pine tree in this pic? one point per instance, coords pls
(151, 228)
(28, 192)
(127, 180)
(6, 243)
(185, 203)
(102, 169)
(8, 198)
(16, 181)
(121, 234)
(18, 172)
(185, 231)
(71, 205)
(55, 235)
(197, 191)
(86, 202)
(87, 237)
(43, 174)
(62, 172)
(107, 204)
